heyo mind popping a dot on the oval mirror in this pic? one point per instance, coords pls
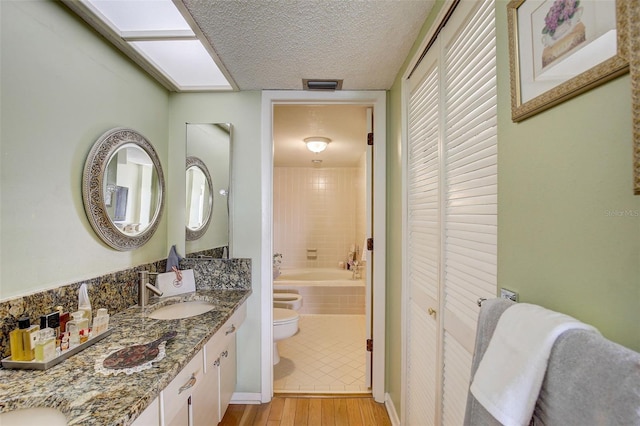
(123, 189)
(198, 197)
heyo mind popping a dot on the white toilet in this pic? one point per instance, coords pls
(287, 301)
(285, 325)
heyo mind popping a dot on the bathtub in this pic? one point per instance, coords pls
(323, 290)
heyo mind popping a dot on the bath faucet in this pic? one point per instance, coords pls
(144, 287)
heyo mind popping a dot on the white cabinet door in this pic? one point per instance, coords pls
(150, 416)
(205, 399)
(228, 369)
(176, 396)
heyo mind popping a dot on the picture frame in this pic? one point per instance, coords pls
(633, 51)
(556, 54)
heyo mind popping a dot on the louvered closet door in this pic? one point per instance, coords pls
(452, 212)
(470, 205)
(423, 243)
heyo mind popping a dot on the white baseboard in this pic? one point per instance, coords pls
(246, 398)
(391, 410)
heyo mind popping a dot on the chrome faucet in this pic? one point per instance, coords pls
(144, 287)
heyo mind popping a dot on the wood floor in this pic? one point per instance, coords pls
(294, 410)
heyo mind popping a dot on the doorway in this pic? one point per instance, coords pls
(375, 259)
(320, 222)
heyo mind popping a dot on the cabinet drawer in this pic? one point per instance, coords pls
(221, 339)
(236, 320)
(176, 395)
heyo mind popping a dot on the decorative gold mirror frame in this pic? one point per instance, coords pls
(93, 192)
(194, 234)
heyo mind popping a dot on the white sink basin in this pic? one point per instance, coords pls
(35, 416)
(182, 310)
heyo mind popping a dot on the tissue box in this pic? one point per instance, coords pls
(170, 286)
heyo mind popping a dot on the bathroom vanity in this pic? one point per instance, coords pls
(201, 391)
(191, 385)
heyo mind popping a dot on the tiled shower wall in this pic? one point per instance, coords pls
(317, 208)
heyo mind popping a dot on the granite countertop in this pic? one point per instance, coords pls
(88, 397)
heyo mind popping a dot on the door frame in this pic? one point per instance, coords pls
(377, 99)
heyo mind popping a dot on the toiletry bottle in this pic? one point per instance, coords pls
(84, 335)
(29, 337)
(100, 322)
(78, 323)
(16, 340)
(84, 304)
(64, 317)
(52, 321)
(74, 334)
(64, 341)
(46, 345)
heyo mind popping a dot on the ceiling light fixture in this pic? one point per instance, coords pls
(316, 143)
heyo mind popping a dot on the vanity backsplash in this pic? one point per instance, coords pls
(117, 291)
(220, 274)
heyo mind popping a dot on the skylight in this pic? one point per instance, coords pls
(156, 35)
(187, 62)
(141, 15)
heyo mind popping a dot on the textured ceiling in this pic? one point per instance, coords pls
(275, 44)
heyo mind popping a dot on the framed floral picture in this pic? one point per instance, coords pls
(561, 48)
(633, 52)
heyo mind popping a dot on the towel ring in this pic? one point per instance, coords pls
(480, 300)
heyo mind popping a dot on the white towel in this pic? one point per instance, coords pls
(510, 374)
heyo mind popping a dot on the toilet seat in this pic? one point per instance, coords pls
(286, 297)
(287, 300)
(283, 316)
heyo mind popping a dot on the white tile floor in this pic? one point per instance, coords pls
(327, 355)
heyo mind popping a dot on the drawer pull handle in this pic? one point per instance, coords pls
(189, 384)
(230, 330)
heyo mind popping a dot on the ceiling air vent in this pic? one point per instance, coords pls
(330, 85)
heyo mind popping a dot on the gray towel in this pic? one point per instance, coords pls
(490, 313)
(589, 381)
(173, 259)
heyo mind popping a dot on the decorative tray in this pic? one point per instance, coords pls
(44, 365)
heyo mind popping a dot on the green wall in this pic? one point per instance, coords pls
(62, 88)
(568, 223)
(243, 111)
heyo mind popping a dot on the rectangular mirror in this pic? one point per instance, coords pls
(208, 177)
